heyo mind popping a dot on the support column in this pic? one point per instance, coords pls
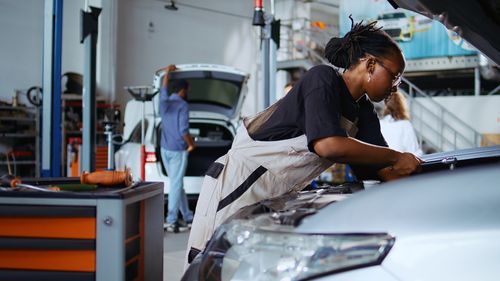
(477, 81)
(51, 112)
(89, 29)
(265, 45)
(269, 45)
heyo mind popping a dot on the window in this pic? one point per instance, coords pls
(135, 136)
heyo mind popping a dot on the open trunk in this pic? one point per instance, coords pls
(211, 140)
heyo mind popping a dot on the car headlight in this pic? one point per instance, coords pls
(241, 252)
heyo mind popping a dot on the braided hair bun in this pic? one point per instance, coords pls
(359, 41)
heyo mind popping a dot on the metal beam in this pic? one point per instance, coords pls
(442, 63)
(268, 56)
(51, 112)
(477, 81)
(89, 29)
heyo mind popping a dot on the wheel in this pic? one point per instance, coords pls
(34, 95)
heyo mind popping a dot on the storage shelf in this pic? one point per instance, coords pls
(18, 135)
(19, 162)
(73, 104)
(23, 119)
(23, 108)
(77, 97)
(19, 131)
(79, 132)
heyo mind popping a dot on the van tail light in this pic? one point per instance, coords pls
(151, 157)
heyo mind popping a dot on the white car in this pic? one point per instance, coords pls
(215, 97)
(441, 224)
(397, 25)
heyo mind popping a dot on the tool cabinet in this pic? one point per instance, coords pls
(109, 234)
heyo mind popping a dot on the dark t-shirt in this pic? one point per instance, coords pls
(314, 107)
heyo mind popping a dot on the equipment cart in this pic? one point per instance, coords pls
(104, 234)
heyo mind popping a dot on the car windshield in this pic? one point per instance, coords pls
(135, 136)
(391, 16)
(208, 90)
(217, 92)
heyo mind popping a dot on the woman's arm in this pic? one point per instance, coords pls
(350, 150)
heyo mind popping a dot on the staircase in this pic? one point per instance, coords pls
(302, 45)
(437, 128)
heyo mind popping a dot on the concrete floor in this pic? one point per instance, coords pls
(174, 253)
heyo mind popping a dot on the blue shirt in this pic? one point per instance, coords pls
(174, 114)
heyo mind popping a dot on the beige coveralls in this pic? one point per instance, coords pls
(250, 172)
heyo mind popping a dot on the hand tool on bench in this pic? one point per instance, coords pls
(107, 178)
(91, 181)
(15, 182)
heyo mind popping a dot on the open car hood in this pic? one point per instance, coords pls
(290, 209)
(477, 21)
(420, 205)
(441, 202)
(212, 88)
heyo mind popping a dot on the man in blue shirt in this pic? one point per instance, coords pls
(176, 143)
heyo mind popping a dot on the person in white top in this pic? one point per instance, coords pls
(396, 126)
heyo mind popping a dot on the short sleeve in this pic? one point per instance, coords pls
(322, 115)
(163, 101)
(184, 119)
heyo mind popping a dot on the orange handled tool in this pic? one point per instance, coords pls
(108, 178)
(9, 181)
(15, 182)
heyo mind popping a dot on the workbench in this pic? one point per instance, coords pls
(106, 235)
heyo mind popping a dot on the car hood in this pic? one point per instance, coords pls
(290, 209)
(478, 22)
(433, 203)
(212, 88)
(459, 158)
(297, 209)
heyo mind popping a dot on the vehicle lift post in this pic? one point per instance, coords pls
(142, 94)
(108, 131)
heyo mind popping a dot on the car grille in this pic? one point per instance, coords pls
(395, 33)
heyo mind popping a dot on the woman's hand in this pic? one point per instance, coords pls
(406, 164)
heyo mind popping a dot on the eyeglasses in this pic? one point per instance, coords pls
(397, 77)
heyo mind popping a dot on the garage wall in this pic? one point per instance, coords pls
(21, 30)
(136, 37)
(217, 31)
(73, 54)
(21, 50)
(482, 112)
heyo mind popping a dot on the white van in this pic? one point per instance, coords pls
(215, 97)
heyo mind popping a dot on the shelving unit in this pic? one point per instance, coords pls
(72, 125)
(19, 135)
(19, 141)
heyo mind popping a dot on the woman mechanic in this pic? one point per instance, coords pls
(326, 117)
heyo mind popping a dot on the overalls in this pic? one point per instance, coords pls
(250, 172)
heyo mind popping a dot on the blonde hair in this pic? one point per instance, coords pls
(397, 107)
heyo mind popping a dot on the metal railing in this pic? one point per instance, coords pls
(437, 126)
(301, 41)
